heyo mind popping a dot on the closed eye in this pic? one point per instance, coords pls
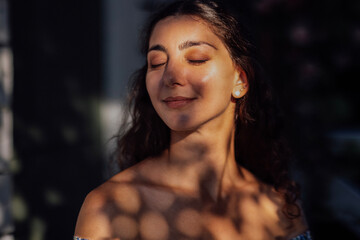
(197, 61)
(156, 65)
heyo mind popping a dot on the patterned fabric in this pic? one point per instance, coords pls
(77, 238)
(305, 236)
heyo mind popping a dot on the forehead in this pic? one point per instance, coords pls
(182, 28)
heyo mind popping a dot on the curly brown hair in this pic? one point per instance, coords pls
(259, 143)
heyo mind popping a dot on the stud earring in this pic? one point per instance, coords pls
(237, 92)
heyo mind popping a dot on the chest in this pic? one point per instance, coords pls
(165, 215)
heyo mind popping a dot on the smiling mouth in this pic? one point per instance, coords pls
(178, 102)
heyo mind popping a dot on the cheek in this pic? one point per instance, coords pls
(201, 80)
(152, 85)
(212, 80)
(148, 88)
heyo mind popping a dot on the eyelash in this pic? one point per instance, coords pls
(156, 65)
(197, 62)
(194, 62)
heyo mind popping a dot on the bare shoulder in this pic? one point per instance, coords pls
(116, 197)
(93, 221)
(274, 203)
(298, 225)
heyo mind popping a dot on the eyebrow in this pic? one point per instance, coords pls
(182, 46)
(188, 44)
(157, 47)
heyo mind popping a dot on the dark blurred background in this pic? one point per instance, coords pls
(70, 64)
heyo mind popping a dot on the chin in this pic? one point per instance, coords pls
(181, 126)
(182, 129)
(190, 127)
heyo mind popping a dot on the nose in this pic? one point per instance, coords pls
(174, 74)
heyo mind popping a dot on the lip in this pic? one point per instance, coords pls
(178, 101)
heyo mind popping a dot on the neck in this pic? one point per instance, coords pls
(203, 161)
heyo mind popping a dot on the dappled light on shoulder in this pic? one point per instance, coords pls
(157, 199)
(127, 198)
(188, 222)
(153, 226)
(125, 227)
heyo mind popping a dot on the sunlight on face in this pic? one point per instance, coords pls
(190, 74)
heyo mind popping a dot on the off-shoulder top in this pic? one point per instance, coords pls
(304, 236)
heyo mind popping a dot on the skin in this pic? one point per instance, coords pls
(195, 189)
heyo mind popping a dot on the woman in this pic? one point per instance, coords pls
(204, 154)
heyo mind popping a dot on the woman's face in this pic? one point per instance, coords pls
(190, 74)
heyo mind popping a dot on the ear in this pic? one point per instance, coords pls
(241, 85)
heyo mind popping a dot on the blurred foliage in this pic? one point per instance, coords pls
(56, 121)
(310, 50)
